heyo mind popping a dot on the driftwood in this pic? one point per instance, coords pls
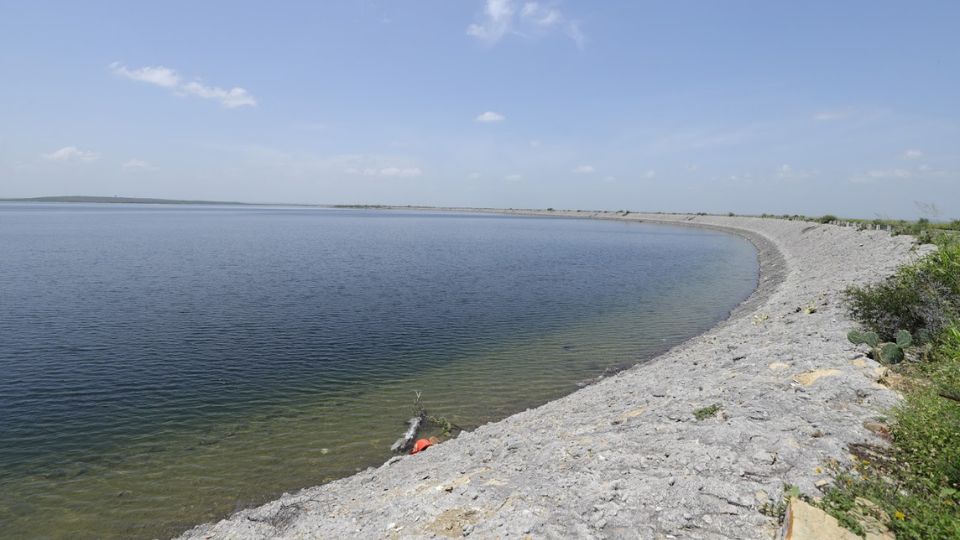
(406, 441)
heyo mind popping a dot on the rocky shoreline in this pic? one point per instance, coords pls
(628, 456)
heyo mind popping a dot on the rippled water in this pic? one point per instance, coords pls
(165, 365)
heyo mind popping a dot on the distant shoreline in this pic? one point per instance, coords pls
(117, 200)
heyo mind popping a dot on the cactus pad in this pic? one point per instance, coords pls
(890, 353)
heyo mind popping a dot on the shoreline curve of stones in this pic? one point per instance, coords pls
(627, 456)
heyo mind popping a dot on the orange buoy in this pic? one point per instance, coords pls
(423, 444)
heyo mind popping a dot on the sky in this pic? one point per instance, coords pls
(850, 108)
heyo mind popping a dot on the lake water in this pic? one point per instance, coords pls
(162, 366)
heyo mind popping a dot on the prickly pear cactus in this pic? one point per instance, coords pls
(890, 353)
(858, 337)
(904, 339)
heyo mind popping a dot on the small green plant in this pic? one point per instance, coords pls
(419, 411)
(706, 412)
(778, 509)
(885, 352)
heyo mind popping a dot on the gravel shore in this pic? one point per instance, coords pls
(626, 457)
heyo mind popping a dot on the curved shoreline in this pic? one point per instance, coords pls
(625, 457)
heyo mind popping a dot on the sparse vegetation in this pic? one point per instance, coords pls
(913, 486)
(922, 298)
(779, 509)
(706, 412)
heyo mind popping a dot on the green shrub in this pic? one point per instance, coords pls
(827, 219)
(922, 298)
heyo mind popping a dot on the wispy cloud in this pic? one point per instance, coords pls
(514, 177)
(71, 153)
(912, 154)
(497, 18)
(168, 78)
(788, 172)
(137, 165)
(232, 98)
(159, 75)
(490, 117)
(395, 172)
(503, 17)
(583, 169)
(882, 174)
(830, 115)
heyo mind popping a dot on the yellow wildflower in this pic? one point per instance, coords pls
(899, 515)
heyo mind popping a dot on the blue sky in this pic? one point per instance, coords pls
(811, 107)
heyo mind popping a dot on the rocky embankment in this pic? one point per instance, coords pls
(627, 457)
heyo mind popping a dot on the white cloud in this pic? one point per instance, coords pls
(787, 172)
(574, 32)
(168, 78)
(402, 172)
(890, 173)
(490, 117)
(882, 174)
(232, 98)
(501, 17)
(137, 165)
(912, 154)
(515, 177)
(583, 169)
(540, 15)
(498, 16)
(158, 75)
(390, 172)
(71, 153)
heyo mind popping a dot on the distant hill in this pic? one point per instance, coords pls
(127, 200)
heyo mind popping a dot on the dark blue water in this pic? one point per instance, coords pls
(140, 345)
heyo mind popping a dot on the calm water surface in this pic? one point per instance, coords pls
(166, 365)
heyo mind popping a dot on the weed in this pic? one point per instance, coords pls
(707, 412)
